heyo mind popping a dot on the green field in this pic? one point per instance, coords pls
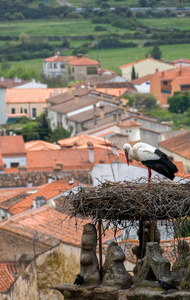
(113, 58)
(163, 23)
(65, 27)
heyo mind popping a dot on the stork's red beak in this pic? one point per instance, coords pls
(127, 158)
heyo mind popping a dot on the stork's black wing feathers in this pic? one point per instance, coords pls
(163, 166)
(161, 154)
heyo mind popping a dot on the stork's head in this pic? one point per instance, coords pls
(126, 148)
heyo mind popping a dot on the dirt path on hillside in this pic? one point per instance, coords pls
(64, 2)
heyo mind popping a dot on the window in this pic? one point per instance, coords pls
(25, 110)
(62, 66)
(92, 70)
(165, 82)
(33, 112)
(13, 110)
(165, 91)
(55, 66)
(14, 165)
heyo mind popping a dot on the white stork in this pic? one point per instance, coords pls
(152, 158)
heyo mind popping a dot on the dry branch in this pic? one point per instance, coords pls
(117, 202)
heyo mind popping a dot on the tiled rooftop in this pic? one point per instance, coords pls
(81, 140)
(7, 275)
(72, 60)
(179, 144)
(48, 191)
(111, 91)
(142, 79)
(40, 145)
(11, 83)
(7, 148)
(31, 95)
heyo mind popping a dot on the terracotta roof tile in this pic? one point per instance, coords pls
(40, 145)
(141, 80)
(173, 73)
(72, 60)
(111, 91)
(31, 95)
(50, 226)
(179, 144)
(1, 162)
(83, 61)
(48, 191)
(81, 140)
(7, 148)
(58, 58)
(182, 60)
(7, 271)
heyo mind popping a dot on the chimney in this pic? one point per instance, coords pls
(23, 262)
(125, 109)
(102, 113)
(39, 201)
(157, 70)
(163, 72)
(119, 117)
(2, 78)
(149, 56)
(115, 117)
(91, 152)
(95, 119)
(75, 145)
(86, 55)
(161, 59)
(94, 108)
(100, 96)
(181, 127)
(114, 99)
(141, 113)
(69, 90)
(79, 55)
(180, 71)
(76, 99)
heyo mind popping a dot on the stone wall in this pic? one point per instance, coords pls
(23, 179)
(60, 264)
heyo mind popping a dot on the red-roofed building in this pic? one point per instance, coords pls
(12, 150)
(44, 196)
(81, 68)
(178, 147)
(164, 84)
(40, 145)
(31, 101)
(144, 67)
(181, 62)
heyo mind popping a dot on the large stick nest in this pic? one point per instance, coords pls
(131, 201)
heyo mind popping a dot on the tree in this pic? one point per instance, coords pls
(155, 52)
(21, 71)
(133, 74)
(58, 134)
(146, 101)
(179, 103)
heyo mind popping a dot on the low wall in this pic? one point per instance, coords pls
(24, 179)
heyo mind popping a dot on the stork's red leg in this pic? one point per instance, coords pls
(149, 177)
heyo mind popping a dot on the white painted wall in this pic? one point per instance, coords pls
(22, 160)
(3, 114)
(121, 172)
(132, 132)
(143, 88)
